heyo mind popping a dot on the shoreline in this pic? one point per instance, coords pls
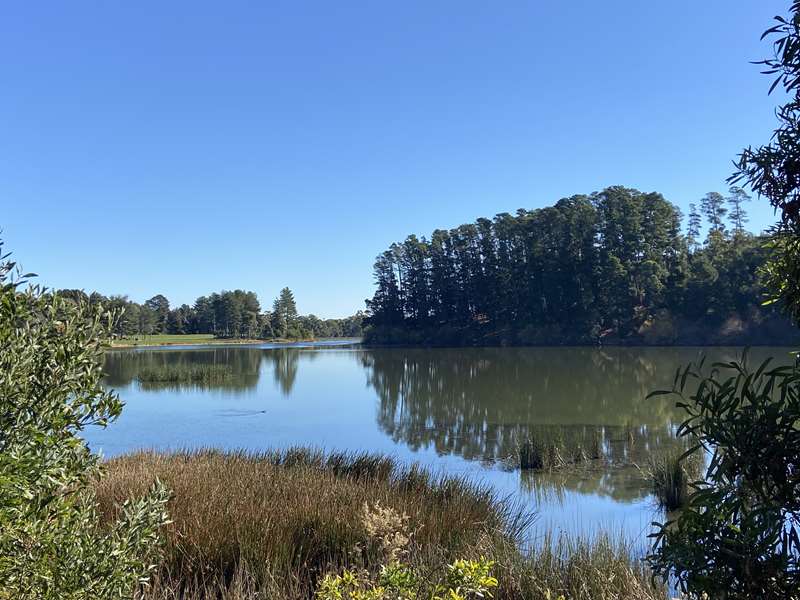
(116, 345)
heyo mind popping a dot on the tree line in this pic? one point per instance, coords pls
(611, 266)
(228, 314)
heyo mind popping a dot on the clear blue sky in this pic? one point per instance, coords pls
(185, 147)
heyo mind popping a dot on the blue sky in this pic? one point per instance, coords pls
(185, 147)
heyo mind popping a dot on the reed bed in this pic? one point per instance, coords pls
(185, 373)
(671, 475)
(548, 448)
(269, 525)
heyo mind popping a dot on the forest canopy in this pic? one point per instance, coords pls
(614, 266)
(225, 314)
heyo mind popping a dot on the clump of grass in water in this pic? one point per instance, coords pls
(199, 374)
(671, 476)
(553, 448)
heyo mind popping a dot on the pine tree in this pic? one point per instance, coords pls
(693, 229)
(737, 214)
(284, 314)
(713, 207)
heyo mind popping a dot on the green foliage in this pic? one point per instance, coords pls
(739, 536)
(52, 545)
(773, 170)
(612, 265)
(284, 316)
(228, 314)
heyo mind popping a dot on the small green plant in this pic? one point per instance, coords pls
(399, 580)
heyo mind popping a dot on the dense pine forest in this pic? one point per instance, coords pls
(227, 314)
(611, 267)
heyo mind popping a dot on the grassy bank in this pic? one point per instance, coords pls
(190, 339)
(270, 525)
(184, 339)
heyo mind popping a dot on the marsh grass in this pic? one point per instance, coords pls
(199, 374)
(548, 448)
(671, 477)
(270, 525)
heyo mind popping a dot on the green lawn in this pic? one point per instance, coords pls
(164, 339)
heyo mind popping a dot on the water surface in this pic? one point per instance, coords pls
(461, 411)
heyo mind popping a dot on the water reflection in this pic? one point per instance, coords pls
(461, 409)
(480, 403)
(477, 403)
(122, 367)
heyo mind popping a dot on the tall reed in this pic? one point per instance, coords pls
(553, 447)
(671, 476)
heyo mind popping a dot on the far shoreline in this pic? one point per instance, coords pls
(209, 340)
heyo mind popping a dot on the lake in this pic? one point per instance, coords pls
(460, 411)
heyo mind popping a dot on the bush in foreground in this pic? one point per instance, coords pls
(739, 536)
(51, 543)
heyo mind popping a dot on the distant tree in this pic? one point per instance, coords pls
(148, 320)
(693, 228)
(738, 216)
(284, 314)
(204, 316)
(713, 207)
(176, 321)
(159, 305)
(76, 296)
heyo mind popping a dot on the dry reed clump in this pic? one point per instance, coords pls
(271, 525)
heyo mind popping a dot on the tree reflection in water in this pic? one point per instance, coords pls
(480, 403)
(122, 367)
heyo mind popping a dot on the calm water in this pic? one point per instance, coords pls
(457, 410)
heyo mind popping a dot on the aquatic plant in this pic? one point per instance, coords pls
(547, 448)
(186, 373)
(671, 474)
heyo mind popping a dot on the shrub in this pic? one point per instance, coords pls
(52, 545)
(399, 580)
(739, 536)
